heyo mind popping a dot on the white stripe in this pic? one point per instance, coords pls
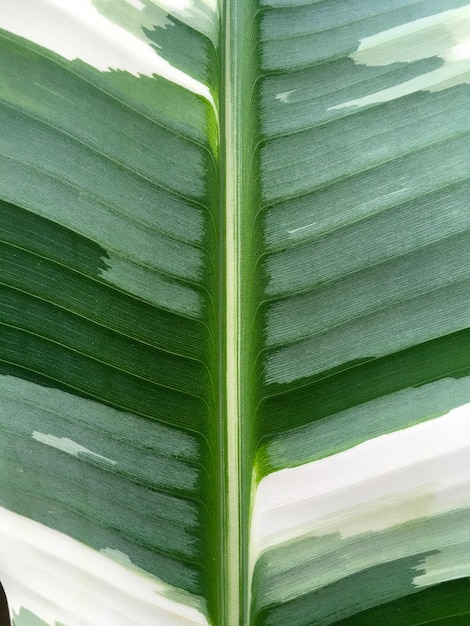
(412, 473)
(61, 580)
(75, 29)
(437, 35)
(447, 76)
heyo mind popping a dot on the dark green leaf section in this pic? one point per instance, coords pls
(58, 266)
(364, 211)
(101, 382)
(108, 221)
(447, 603)
(349, 595)
(350, 426)
(428, 362)
(21, 311)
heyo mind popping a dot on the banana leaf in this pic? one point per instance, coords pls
(234, 312)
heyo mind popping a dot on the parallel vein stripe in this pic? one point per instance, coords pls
(302, 311)
(111, 424)
(168, 537)
(190, 260)
(145, 175)
(193, 351)
(323, 18)
(114, 352)
(294, 235)
(190, 416)
(353, 425)
(128, 106)
(277, 153)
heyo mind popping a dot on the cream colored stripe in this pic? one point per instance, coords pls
(416, 472)
(77, 30)
(61, 580)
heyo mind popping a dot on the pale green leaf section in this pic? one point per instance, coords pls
(150, 286)
(353, 426)
(378, 286)
(372, 195)
(449, 563)
(319, 566)
(152, 451)
(444, 35)
(26, 618)
(48, 166)
(333, 557)
(396, 328)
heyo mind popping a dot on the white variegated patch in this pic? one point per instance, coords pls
(197, 13)
(285, 95)
(68, 446)
(445, 35)
(60, 580)
(77, 30)
(413, 473)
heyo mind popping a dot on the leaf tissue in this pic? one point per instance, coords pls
(234, 312)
